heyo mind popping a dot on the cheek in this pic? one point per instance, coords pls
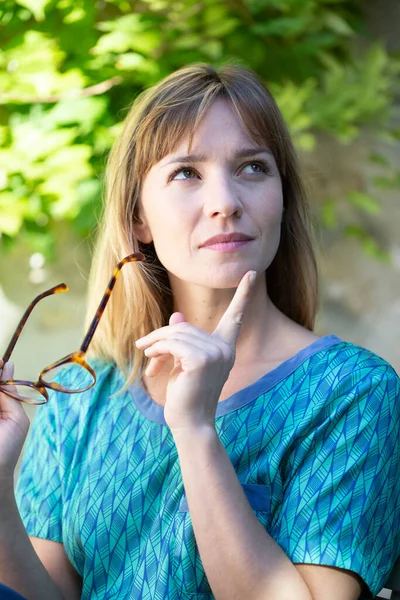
(272, 206)
(159, 214)
(170, 232)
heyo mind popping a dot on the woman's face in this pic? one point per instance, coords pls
(228, 184)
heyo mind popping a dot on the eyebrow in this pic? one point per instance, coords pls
(196, 158)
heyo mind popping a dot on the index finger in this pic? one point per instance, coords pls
(229, 326)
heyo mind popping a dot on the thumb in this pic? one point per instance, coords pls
(176, 318)
(8, 405)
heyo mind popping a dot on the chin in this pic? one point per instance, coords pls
(223, 276)
(227, 280)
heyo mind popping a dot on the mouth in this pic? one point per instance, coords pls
(227, 239)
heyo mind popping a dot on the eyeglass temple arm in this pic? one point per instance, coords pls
(57, 289)
(137, 256)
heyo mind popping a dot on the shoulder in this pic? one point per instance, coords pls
(350, 378)
(335, 356)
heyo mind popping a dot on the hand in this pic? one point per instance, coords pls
(202, 361)
(14, 425)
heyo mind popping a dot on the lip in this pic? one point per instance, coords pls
(226, 238)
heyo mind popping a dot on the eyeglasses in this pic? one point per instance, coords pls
(82, 374)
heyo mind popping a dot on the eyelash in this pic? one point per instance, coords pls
(262, 164)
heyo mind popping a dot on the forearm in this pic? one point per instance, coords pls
(20, 567)
(239, 557)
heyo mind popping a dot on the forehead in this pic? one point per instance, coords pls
(220, 131)
(221, 123)
(181, 128)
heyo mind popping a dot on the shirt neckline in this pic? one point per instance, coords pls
(154, 412)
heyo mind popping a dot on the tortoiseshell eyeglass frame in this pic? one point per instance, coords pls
(77, 357)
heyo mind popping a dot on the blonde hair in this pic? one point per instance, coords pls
(157, 121)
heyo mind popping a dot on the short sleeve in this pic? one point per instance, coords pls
(38, 488)
(341, 501)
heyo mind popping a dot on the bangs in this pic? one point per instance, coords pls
(167, 124)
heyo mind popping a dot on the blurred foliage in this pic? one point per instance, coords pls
(69, 70)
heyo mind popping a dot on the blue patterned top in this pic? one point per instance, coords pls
(315, 444)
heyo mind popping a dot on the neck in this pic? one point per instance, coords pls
(204, 308)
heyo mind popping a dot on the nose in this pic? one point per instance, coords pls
(222, 198)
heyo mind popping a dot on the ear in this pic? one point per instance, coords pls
(142, 230)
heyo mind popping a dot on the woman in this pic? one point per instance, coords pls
(245, 457)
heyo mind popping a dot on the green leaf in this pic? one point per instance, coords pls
(368, 243)
(129, 24)
(130, 61)
(365, 202)
(188, 41)
(222, 28)
(116, 41)
(12, 212)
(121, 41)
(36, 61)
(35, 6)
(218, 21)
(84, 111)
(77, 14)
(328, 214)
(4, 131)
(388, 183)
(213, 49)
(283, 26)
(292, 99)
(379, 159)
(337, 24)
(33, 143)
(305, 141)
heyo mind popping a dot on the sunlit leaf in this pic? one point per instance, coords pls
(35, 6)
(34, 143)
(129, 24)
(85, 111)
(335, 22)
(11, 210)
(77, 14)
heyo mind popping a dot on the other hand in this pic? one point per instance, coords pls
(14, 425)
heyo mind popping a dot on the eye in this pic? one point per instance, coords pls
(253, 168)
(182, 173)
